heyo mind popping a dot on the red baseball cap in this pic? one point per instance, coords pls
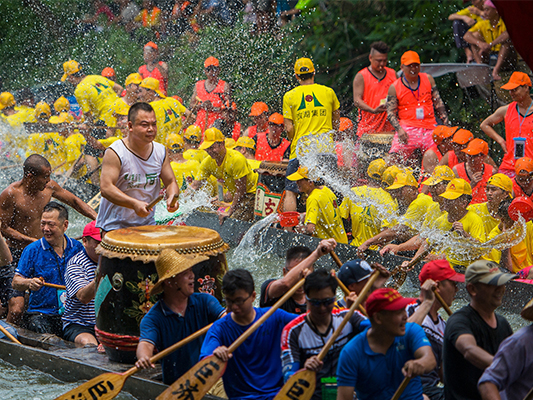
(91, 230)
(386, 299)
(439, 270)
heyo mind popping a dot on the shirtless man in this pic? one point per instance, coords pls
(21, 206)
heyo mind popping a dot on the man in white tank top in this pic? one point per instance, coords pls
(131, 172)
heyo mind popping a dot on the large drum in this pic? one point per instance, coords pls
(126, 274)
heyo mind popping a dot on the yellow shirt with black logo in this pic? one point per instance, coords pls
(168, 112)
(321, 209)
(472, 224)
(489, 33)
(489, 222)
(95, 95)
(195, 154)
(367, 219)
(233, 167)
(51, 145)
(521, 254)
(310, 107)
(185, 172)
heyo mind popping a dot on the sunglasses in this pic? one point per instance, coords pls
(321, 302)
(237, 302)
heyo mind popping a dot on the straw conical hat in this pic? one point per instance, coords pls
(527, 311)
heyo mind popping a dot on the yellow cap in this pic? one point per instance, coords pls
(61, 104)
(121, 108)
(211, 136)
(134, 78)
(404, 178)
(6, 100)
(230, 143)
(502, 181)
(376, 168)
(440, 173)
(70, 67)
(175, 142)
(245, 141)
(42, 108)
(389, 174)
(304, 66)
(193, 133)
(302, 173)
(108, 141)
(152, 84)
(456, 188)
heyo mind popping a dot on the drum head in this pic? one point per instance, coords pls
(144, 243)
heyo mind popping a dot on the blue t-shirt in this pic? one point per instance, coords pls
(376, 376)
(163, 327)
(40, 259)
(254, 371)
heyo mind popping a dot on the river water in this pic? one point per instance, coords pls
(24, 383)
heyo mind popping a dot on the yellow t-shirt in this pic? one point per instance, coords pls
(521, 254)
(63, 117)
(472, 224)
(367, 219)
(168, 112)
(466, 11)
(51, 146)
(185, 172)
(322, 210)
(233, 167)
(433, 213)
(23, 115)
(194, 154)
(95, 95)
(489, 222)
(488, 32)
(74, 145)
(310, 107)
(416, 212)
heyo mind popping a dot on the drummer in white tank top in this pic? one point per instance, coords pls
(131, 173)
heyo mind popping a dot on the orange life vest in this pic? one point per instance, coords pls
(149, 18)
(512, 130)
(252, 131)
(264, 152)
(410, 100)
(155, 73)
(479, 194)
(217, 99)
(375, 90)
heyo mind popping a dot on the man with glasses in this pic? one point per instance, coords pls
(304, 337)
(258, 359)
(210, 96)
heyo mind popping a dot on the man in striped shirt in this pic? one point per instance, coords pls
(79, 318)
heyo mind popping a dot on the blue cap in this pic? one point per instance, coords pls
(354, 271)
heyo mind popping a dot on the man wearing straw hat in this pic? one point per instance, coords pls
(376, 361)
(474, 332)
(180, 313)
(511, 371)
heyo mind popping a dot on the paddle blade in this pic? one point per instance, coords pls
(103, 387)
(196, 382)
(300, 386)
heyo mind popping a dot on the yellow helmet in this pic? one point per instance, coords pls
(175, 142)
(42, 108)
(193, 133)
(62, 104)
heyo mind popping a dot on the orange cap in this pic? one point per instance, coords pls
(152, 45)
(276, 118)
(108, 72)
(517, 79)
(258, 108)
(345, 124)
(523, 164)
(442, 132)
(211, 62)
(476, 146)
(462, 136)
(410, 57)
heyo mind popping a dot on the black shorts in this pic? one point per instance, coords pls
(43, 323)
(7, 273)
(71, 331)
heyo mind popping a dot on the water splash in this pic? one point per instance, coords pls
(188, 201)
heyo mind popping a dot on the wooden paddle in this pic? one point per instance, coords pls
(196, 382)
(9, 335)
(302, 384)
(441, 300)
(52, 285)
(529, 395)
(401, 388)
(69, 173)
(10, 166)
(95, 201)
(107, 386)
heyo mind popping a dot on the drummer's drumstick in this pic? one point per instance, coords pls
(174, 200)
(154, 202)
(52, 285)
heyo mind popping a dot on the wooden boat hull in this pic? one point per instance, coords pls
(518, 293)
